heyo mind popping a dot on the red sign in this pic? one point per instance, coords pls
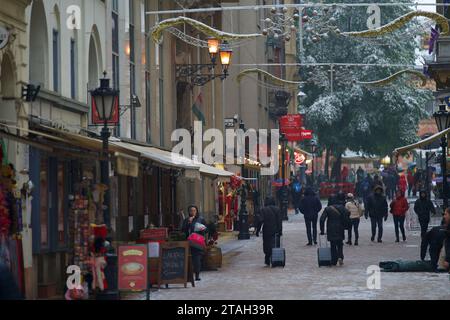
(133, 267)
(96, 113)
(290, 121)
(307, 134)
(155, 234)
(299, 158)
(293, 134)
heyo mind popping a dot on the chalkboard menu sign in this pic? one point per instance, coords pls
(173, 266)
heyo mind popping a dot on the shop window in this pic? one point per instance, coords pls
(44, 191)
(62, 204)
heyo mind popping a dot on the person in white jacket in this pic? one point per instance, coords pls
(356, 213)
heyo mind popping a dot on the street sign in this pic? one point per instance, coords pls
(290, 121)
(306, 134)
(299, 158)
(293, 134)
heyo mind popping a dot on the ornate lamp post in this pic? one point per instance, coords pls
(284, 191)
(244, 233)
(442, 117)
(105, 100)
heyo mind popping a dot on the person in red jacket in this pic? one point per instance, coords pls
(399, 207)
(402, 184)
(410, 178)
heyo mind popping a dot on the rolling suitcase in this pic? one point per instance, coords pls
(323, 253)
(278, 258)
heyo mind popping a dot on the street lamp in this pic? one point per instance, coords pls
(213, 48)
(313, 151)
(442, 118)
(105, 100)
(244, 233)
(284, 191)
(225, 57)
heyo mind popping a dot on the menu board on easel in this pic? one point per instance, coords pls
(174, 263)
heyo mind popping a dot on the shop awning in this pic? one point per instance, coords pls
(422, 143)
(213, 171)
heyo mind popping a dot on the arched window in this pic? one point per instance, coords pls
(38, 45)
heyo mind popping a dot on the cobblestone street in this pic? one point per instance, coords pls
(244, 276)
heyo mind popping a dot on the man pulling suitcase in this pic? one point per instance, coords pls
(270, 220)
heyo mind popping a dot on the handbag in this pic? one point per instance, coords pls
(197, 241)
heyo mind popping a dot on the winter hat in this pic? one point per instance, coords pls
(350, 195)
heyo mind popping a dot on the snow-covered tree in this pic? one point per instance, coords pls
(354, 116)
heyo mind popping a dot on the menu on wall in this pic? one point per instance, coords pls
(132, 263)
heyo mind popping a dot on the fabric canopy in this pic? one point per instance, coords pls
(422, 143)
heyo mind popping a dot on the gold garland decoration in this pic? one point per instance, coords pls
(401, 21)
(274, 79)
(392, 78)
(205, 29)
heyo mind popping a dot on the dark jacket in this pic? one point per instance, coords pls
(310, 205)
(377, 206)
(188, 228)
(335, 222)
(8, 286)
(423, 207)
(434, 240)
(270, 220)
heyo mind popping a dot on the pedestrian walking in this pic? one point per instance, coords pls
(402, 184)
(191, 225)
(337, 217)
(356, 212)
(270, 221)
(399, 207)
(296, 194)
(423, 207)
(377, 209)
(359, 174)
(310, 207)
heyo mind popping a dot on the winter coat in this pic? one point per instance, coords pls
(423, 207)
(310, 205)
(270, 220)
(410, 179)
(377, 206)
(188, 228)
(402, 184)
(434, 240)
(399, 207)
(354, 208)
(335, 222)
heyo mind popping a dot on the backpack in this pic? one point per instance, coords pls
(346, 222)
(297, 187)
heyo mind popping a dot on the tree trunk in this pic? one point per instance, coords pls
(336, 171)
(327, 164)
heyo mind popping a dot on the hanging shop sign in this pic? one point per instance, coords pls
(290, 121)
(299, 158)
(306, 134)
(133, 268)
(4, 37)
(293, 134)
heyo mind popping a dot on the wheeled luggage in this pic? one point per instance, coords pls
(278, 258)
(323, 253)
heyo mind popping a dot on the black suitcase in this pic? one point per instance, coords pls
(323, 254)
(278, 258)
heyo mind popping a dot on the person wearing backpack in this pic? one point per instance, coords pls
(356, 213)
(337, 218)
